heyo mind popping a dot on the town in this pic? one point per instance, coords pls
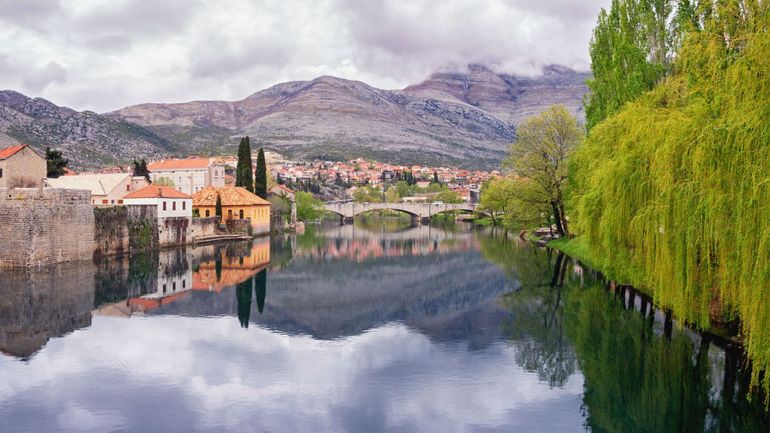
(200, 199)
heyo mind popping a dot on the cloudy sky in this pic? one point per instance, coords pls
(105, 54)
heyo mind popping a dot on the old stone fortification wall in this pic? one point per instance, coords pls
(174, 230)
(44, 226)
(202, 227)
(125, 229)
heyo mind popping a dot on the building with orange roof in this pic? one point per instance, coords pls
(189, 175)
(237, 203)
(21, 166)
(174, 211)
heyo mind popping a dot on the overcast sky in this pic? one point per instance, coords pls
(105, 54)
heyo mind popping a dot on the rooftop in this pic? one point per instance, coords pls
(10, 151)
(157, 191)
(230, 195)
(98, 183)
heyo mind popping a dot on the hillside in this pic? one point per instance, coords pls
(466, 119)
(87, 139)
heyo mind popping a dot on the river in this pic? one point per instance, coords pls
(372, 327)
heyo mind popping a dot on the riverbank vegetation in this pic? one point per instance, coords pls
(534, 190)
(671, 191)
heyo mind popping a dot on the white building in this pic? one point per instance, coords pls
(189, 175)
(107, 189)
(171, 204)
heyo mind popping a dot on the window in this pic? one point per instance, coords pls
(164, 288)
(173, 286)
(1, 172)
(184, 283)
(207, 213)
(240, 214)
(184, 205)
(128, 187)
(120, 201)
(164, 205)
(105, 201)
(173, 205)
(229, 214)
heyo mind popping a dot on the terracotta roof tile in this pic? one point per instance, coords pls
(157, 191)
(10, 151)
(231, 196)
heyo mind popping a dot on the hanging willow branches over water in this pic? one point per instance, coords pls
(673, 192)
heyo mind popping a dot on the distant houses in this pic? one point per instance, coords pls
(189, 175)
(21, 167)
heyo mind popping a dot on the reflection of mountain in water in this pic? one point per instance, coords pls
(37, 305)
(341, 298)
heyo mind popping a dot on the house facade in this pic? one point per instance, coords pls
(174, 212)
(107, 189)
(21, 167)
(189, 175)
(237, 203)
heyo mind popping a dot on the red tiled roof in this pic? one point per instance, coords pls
(157, 191)
(10, 151)
(231, 196)
(179, 164)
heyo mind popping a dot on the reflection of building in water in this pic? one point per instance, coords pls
(229, 265)
(45, 303)
(166, 277)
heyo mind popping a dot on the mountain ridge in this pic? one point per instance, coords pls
(466, 119)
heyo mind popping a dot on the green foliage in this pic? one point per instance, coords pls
(260, 179)
(243, 175)
(631, 51)
(140, 169)
(538, 160)
(309, 208)
(55, 163)
(674, 190)
(368, 194)
(164, 181)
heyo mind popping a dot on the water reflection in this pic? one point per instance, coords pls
(365, 328)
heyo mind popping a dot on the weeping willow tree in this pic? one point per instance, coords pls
(673, 191)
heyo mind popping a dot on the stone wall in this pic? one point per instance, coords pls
(44, 226)
(202, 227)
(111, 231)
(125, 229)
(173, 231)
(142, 221)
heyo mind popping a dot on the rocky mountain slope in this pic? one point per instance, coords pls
(87, 138)
(466, 119)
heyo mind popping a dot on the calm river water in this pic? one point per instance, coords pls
(366, 328)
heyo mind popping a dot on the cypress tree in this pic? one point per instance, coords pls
(243, 170)
(260, 181)
(218, 208)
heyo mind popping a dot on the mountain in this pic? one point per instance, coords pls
(459, 118)
(465, 119)
(510, 98)
(87, 138)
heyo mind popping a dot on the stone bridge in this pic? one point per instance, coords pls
(422, 211)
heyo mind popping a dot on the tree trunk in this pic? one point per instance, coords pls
(557, 217)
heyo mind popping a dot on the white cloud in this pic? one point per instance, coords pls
(108, 54)
(213, 374)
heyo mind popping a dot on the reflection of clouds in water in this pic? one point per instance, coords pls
(228, 378)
